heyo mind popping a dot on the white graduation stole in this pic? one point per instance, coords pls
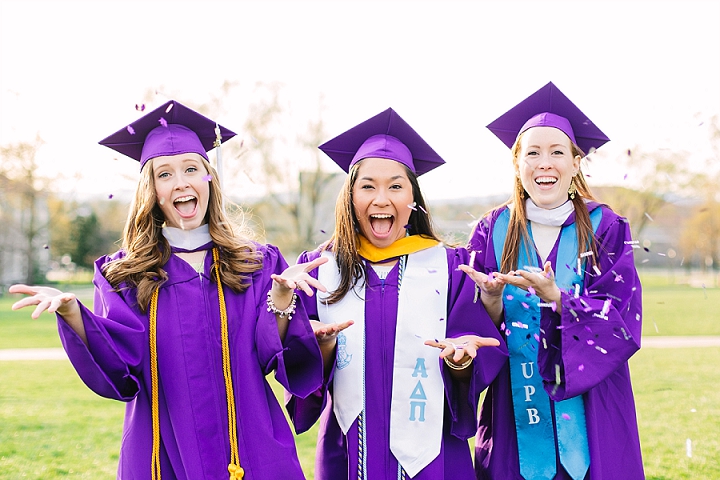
(417, 407)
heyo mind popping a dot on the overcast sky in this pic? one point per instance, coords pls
(646, 72)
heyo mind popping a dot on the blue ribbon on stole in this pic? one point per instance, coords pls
(531, 404)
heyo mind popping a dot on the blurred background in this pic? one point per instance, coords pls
(288, 75)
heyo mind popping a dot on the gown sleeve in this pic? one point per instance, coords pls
(599, 330)
(296, 360)
(466, 316)
(109, 365)
(305, 411)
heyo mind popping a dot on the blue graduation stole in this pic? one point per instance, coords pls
(531, 404)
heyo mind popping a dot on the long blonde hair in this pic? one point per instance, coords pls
(343, 242)
(517, 228)
(147, 250)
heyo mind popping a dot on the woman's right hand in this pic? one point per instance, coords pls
(46, 298)
(327, 332)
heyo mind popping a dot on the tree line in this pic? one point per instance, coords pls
(43, 231)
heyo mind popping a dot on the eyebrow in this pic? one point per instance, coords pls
(554, 145)
(371, 179)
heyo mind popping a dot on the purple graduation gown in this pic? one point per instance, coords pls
(192, 400)
(603, 379)
(337, 454)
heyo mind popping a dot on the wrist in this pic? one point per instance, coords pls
(464, 363)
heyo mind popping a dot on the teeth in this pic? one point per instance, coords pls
(381, 215)
(546, 180)
(184, 199)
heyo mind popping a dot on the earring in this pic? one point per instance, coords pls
(572, 190)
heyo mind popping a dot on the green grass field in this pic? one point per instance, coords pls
(52, 426)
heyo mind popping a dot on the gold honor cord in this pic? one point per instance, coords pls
(155, 464)
(234, 468)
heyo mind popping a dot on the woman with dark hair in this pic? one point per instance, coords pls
(390, 408)
(557, 270)
(188, 319)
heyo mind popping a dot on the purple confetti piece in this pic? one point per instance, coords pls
(537, 337)
(46, 246)
(110, 196)
(581, 367)
(322, 231)
(130, 130)
(525, 305)
(163, 122)
(140, 108)
(509, 297)
(407, 227)
(442, 319)
(565, 416)
(207, 178)
(531, 290)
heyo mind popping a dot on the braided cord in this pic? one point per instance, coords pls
(234, 468)
(155, 460)
(236, 471)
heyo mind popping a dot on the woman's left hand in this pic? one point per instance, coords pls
(298, 276)
(540, 283)
(458, 349)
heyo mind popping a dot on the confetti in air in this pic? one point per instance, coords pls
(46, 246)
(565, 416)
(421, 208)
(163, 122)
(207, 178)
(473, 216)
(581, 367)
(649, 217)
(600, 349)
(557, 374)
(412, 206)
(509, 297)
(323, 231)
(130, 130)
(167, 110)
(140, 108)
(110, 196)
(688, 448)
(472, 259)
(525, 305)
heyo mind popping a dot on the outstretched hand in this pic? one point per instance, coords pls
(491, 285)
(328, 332)
(45, 298)
(298, 277)
(541, 283)
(458, 349)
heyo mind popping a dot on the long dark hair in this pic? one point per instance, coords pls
(344, 239)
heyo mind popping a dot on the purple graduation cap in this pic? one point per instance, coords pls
(548, 107)
(385, 135)
(170, 129)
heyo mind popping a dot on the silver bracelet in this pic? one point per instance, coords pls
(288, 312)
(455, 366)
